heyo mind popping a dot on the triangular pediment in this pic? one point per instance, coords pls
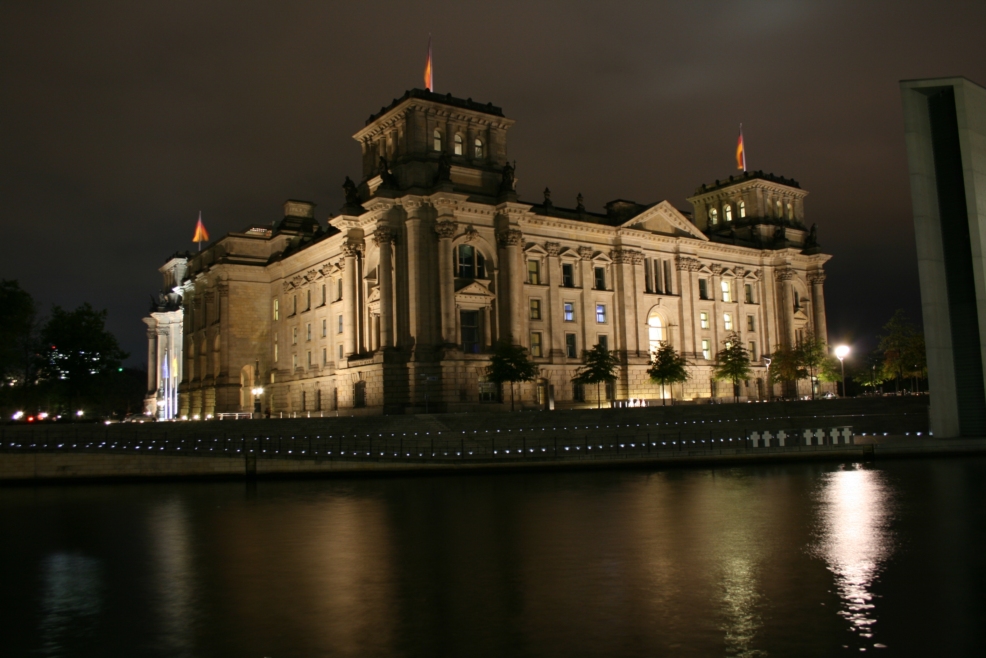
(665, 219)
(474, 289)
(374, 294)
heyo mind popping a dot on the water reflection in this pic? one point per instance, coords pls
(175, 578)
(855, 540)
(70, 601)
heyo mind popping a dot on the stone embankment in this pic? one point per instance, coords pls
(456, 442)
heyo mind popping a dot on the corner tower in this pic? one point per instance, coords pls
(424, 139)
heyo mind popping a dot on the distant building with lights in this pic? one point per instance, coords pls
(394, 304)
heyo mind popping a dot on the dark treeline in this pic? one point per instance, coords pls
(62, 363)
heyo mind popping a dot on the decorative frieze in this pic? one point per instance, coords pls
(628, 256)
(784, 274)
(585, 253)
(687, 264)
(553, 248)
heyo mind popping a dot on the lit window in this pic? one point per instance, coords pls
(741, 209)
(534, 272)
(535, 309)
(777, 207)
(478, 148)
(571, 350)
(600, 273)
(713, 216)
(568, 308)
(277, 312)
(655, 332)
(727, 321)
(748, 288)
(458, 144)
(535, 343)
(600, 313)
(750, 323)
(726, 292)
(437, 140)
(790, 210)
(727, 212)
(568, 275)
(703, 319)
(275, 347)
(706, 351)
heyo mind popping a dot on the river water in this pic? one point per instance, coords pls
(787, 560)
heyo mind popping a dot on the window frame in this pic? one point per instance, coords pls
(436, 140)
(571, 345)
(599, 275)
(706, 349)
(534, 308)
(727, 291)
(568, 311)
(703, 320)
(534, 271)
(568, 280)
(600, 313)
(727, 321)
(537, 344)
(458, 145)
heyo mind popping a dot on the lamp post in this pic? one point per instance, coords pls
(770, 388)
(841, 352)
(257, 392)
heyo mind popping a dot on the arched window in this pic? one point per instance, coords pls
(655, 332)
(790, 210)
(741, 209)
(458, 144)
(777, 207)
(478, 148)
(469, 262)
(713, 216)
(727, 212)
(437, 139)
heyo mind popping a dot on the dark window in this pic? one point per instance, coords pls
(600, 273)
(749, 293)
(488, 391)
(604, 342)
(469, 262)
(571, 350)
(568, 275)
(750, 324)
(469, 322)
(535, 309)
(703, 288)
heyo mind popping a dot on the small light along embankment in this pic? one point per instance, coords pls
(853, 429)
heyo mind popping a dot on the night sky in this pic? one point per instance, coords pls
(120, 121)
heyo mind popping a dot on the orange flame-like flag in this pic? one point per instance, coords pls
(429, 70)
(201, 235)
(740, 151)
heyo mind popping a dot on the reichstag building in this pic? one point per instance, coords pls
(393, 306)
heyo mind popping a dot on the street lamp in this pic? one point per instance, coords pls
(770, 388)
(841, 352)
(257, 392)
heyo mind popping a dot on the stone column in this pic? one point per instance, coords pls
(686, 268)
(816, 279)
(415, 302)
(555, 341)
(487, 327)
(349, 294)
(383, 238)
(786, 314)
(589, 326)
(152, 347)
(511, 263)
(446, 229)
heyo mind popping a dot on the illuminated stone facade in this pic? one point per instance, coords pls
(395, 304)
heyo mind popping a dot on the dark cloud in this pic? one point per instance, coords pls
(120, 121)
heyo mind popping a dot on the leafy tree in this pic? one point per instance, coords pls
(17, 334)
(598, 365)
(870, 371)
(77, 354)
(732, 363)
(786, 367)
(510, 363)
(916, 358)
(896, 343)
(667, 367)
(811, 355)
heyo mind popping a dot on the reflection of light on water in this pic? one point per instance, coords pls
(740, 600)
(71, 599)
(175, 580)
(855, 540)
